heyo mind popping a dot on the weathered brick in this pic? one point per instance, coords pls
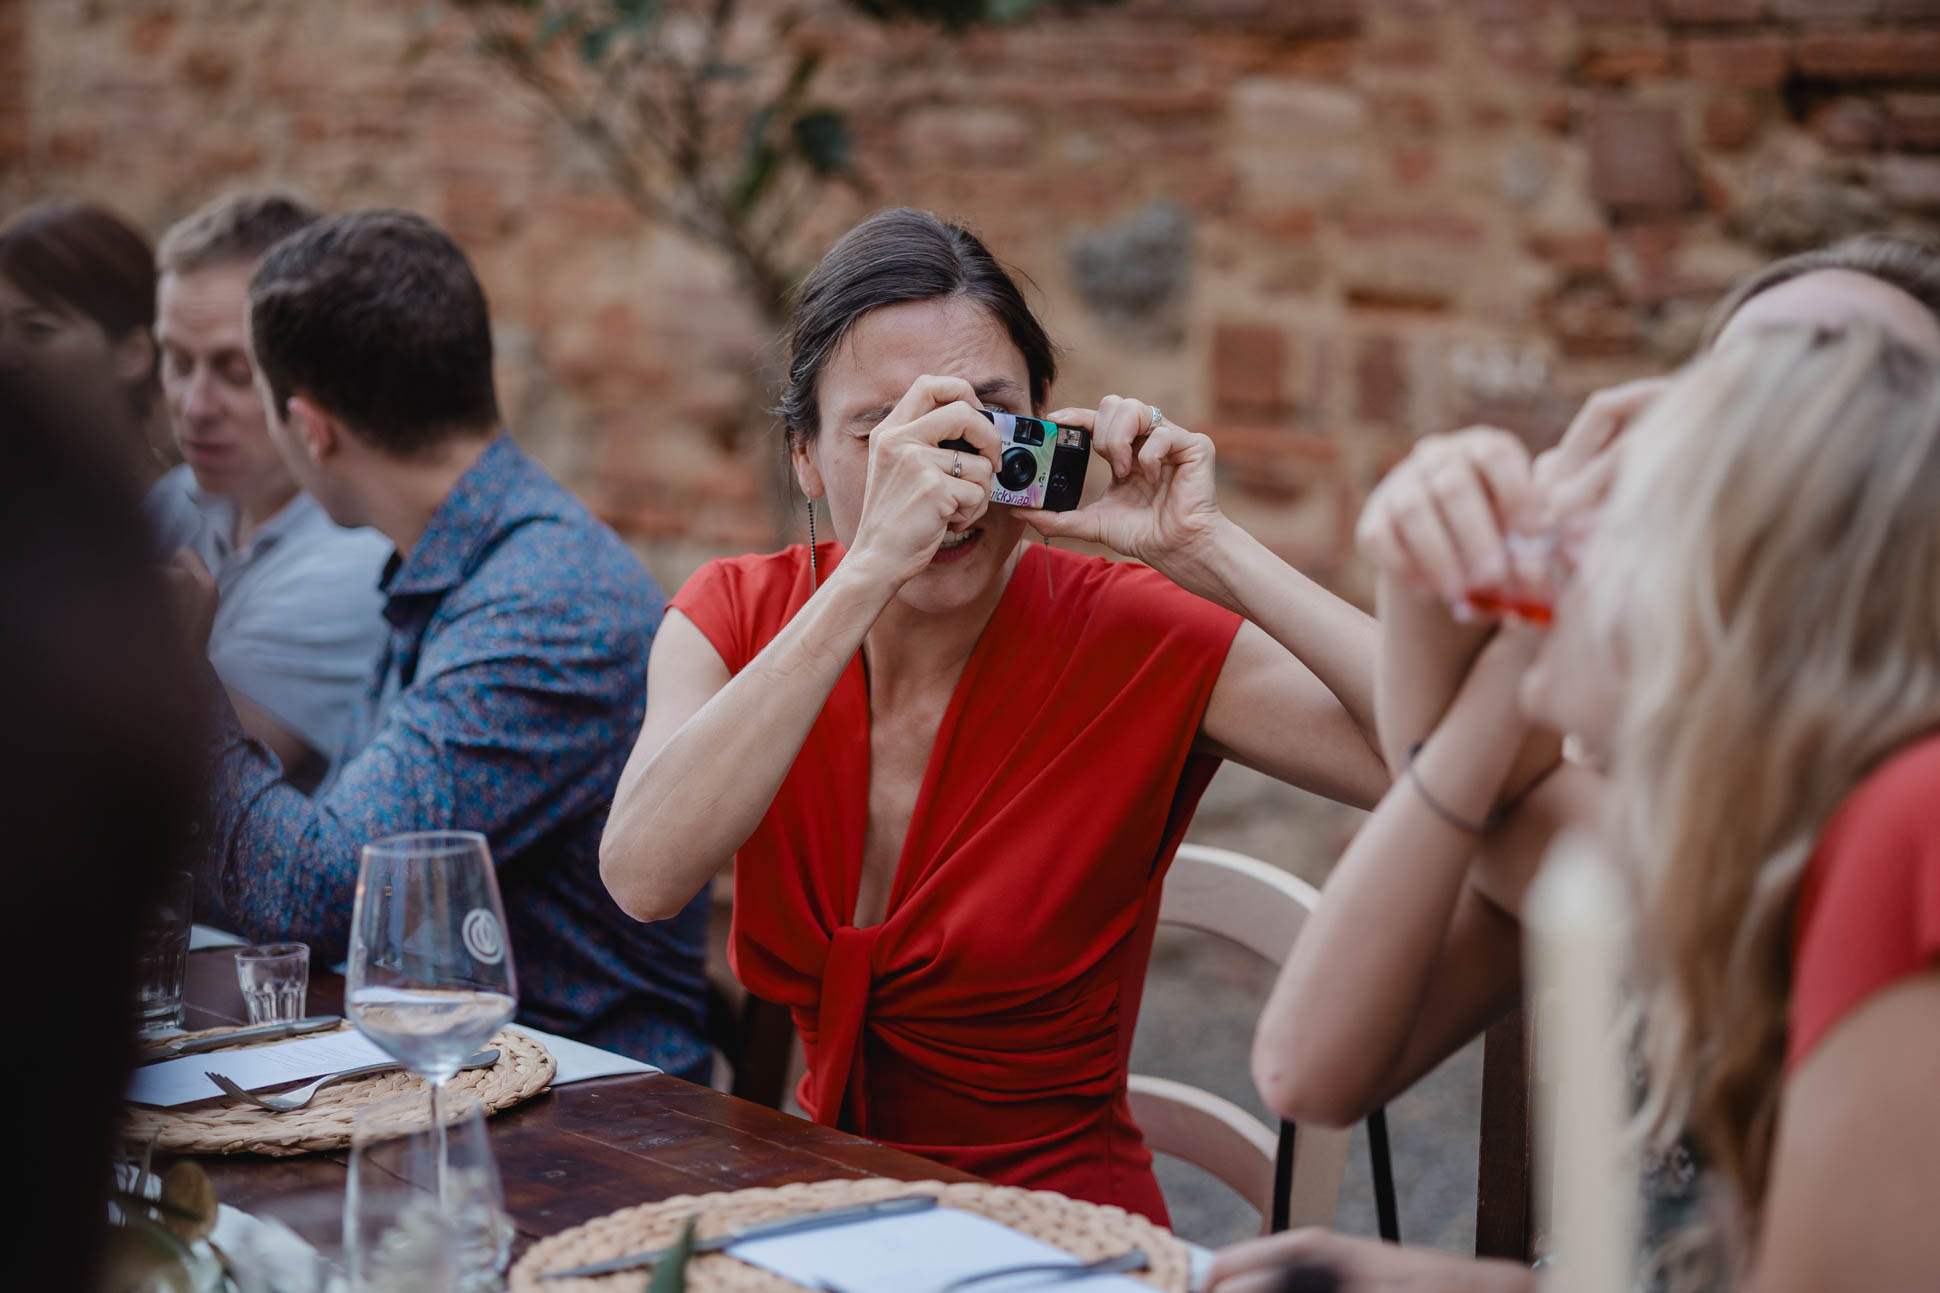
(1826, 11)
(969, 135)
(1610, 10)
(207, 67)
(1913, 122)
(1248, 367)
(1578, 252)
(1623, 63)
(1589, 322)
(1752, 62)
(148, 34)
(1637, 159)
(1380, 381)
(1870, 55)
(1730, 122)
(1712, 11)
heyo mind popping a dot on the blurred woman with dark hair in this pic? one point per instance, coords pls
(96, 788)
(77, 315)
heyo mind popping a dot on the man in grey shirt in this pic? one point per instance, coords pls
(300, 622)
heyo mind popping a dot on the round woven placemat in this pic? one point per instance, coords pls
(230, 1126)
(1085, 1230)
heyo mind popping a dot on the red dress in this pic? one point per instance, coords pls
(986, 1022)
(1869, 909)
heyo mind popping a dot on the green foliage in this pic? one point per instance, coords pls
(670, 1272)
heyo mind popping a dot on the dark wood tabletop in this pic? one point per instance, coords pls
(579, 1152)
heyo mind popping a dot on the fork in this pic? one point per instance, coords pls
(297, 1098)
(1134, 1260)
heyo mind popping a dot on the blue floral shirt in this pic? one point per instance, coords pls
(506, 699)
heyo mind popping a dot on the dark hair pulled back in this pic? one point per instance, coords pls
(894, 257)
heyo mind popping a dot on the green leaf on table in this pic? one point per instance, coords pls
(670, 1272)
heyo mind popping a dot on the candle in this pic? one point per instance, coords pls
(1574, 920)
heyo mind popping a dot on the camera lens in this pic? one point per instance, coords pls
(1019, 469)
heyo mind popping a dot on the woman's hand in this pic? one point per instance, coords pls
(1269, 1265)
(1439, 522)
(1162, 506)
(918, 491)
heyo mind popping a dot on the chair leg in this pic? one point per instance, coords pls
(1282, 1180)
(1383, 1164)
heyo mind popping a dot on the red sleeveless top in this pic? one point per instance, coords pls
(986, 1022)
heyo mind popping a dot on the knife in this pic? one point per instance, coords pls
(260, 1033)
(760, 1230)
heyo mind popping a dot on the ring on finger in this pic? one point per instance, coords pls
(1157, 419)
(956, 462)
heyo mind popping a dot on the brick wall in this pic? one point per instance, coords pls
(1314, 228)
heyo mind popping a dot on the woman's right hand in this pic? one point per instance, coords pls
(1439, 521)
(918, 491)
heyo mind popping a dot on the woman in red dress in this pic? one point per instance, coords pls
(952, 765)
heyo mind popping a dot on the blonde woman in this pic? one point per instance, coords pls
(1769, 591)
(1392, 1008)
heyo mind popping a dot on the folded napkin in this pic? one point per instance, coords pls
(578, 1062)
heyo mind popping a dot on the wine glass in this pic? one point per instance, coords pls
(431, 974)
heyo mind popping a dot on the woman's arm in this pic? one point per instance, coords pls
(1359, 1266)
(1856, 1166)
(1403, 960)
(1162, 508)
(713, 750)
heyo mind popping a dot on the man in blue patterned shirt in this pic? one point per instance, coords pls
(514, 678)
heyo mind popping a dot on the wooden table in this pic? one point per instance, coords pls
(579, 1152)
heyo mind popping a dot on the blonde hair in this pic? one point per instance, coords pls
(1768, 572)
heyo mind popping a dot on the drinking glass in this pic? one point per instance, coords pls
(430, 976)
(424, 1198)
(275, 979)
(162, 956)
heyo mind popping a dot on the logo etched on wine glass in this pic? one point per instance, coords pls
(483, 937)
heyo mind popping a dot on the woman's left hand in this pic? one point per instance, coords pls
(1162, 506)
(1359, 1266)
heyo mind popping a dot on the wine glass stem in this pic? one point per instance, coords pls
(438, 1142)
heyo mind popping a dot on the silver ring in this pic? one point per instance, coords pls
(956, 462)
(1157, 419)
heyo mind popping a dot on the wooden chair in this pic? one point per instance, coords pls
(1294, 1177)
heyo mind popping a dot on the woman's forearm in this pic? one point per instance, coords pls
(1331, 637)
(682, 810)
(1423, 656)
(1376, 952)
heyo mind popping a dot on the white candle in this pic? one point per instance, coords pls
(1575, 918)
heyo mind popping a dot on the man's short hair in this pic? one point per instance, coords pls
(376, 317)
(235, 229)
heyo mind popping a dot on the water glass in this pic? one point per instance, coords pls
(162, 956)
(292, 1243)
(275, 980)
(425, 1210)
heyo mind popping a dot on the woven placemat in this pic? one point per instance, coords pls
(1085, 1230)
(229, 1126)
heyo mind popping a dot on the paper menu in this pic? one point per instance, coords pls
(918, 1253)
(181, 1081)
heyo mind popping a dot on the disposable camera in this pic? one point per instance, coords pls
(1042, 464)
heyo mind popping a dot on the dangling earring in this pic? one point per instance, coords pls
(814, 571)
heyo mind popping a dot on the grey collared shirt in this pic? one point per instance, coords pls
(300, 620)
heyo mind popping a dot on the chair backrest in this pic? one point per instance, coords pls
(1262, 908)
